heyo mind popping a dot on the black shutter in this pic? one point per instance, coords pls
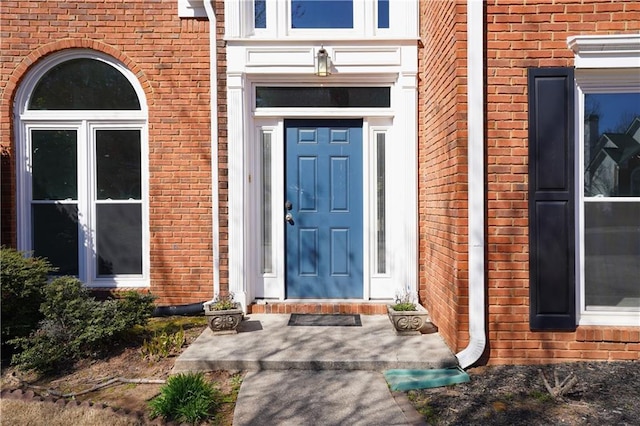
(551, 199)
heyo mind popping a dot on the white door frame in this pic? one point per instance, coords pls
(399, 123)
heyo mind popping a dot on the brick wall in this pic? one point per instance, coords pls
(521, 36)
(442, 172)
(170, 56)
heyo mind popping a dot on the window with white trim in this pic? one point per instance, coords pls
(608, 92)
(310, 19)
(82, 169)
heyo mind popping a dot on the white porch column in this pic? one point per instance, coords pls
(237, 176)
(409, 210)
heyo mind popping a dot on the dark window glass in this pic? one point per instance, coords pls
(336, 97)
(54, 164)
(383, 13)
(55, 235)
(612, 251)
(260, 13)
(119, 239)
(321, 13)
(84, 84)
(118, 164)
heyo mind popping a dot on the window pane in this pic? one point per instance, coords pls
(260, 13)
(84, 84)
(321, 13)
(267, 262)
(380, 200)
(118, 164)
(612, 144)
(383, 13)
(612, 253)
(327, 97)
(55, 235)
(119, 239)
(54, 174)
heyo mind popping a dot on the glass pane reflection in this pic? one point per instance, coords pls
(612, 145)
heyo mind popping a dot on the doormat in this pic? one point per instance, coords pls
(325, 320)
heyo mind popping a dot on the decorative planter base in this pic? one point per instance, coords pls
(409, 322)
(223, 322)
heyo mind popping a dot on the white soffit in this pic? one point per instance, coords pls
(606, 51)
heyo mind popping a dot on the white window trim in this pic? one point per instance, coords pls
(239, 22)
(604, 64)
(84, 122)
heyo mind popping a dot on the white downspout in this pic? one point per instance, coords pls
(213, 78)
(475, 120)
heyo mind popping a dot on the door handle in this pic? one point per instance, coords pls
(288, 205)
(289, 218)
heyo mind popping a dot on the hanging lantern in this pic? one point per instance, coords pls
(323, 63)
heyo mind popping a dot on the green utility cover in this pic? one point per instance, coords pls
(402, 380)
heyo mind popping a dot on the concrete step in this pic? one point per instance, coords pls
(265, 342)
(323, 307)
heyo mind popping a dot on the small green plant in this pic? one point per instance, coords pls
(75, 325)
(23, 280)
(405, 301)
(186, 397)
(163, 345)
(223, 302)
(236, 382)
(540, 396)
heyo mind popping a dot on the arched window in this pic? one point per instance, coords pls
(81, 128)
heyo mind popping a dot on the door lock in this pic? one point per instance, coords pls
(288, 205)
(289, 218)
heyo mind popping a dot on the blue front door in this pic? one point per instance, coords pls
(323, 208)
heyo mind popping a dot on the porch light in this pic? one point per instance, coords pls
(323, 63)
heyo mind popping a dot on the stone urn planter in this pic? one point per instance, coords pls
(409, 322)
(223, 317)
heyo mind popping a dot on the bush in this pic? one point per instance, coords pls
(75, 325)
(22, 282)
(186, 398)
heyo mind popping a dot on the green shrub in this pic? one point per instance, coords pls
(186, 398)
(75, 325)
(22, 282)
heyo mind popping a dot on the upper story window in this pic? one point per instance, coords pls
(321, 13)
(309, 19)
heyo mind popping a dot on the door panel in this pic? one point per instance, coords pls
(324, 185)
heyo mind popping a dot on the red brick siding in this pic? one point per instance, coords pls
(223, 175)
(442, 176)
(521, 36)
(170, 56)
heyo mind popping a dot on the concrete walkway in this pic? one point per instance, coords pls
(315, 375)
